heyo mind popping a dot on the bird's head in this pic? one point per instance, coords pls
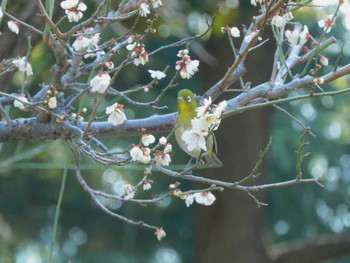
(186, 105)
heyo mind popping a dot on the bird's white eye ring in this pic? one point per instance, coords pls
(188, 99)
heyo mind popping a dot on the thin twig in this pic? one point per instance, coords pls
(258, 203)
(5, 115)
(233, 185)
(51, 24)
(300, 155)
(99, 204)
(254, 174)
(294, 118)
(23, 23)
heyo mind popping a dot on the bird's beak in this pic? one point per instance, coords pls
(180, 99)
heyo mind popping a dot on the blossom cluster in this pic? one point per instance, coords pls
(186, 66)
(88, 44)
(297, 37)
(143, 154)
(100, 82)
(116, 114)
(281, 20)
(208, 119)
(326, 24)
(73, 9)
(23, 65)
(18, 103)
(138, 51)
(145, 8)
(256, 2)
(202, 198)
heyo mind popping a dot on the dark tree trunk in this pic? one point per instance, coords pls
(232, 230)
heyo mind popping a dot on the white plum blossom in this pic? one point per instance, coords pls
(206, 104)
(73, 9)
(146, 158)
(162, 158)
(23, 65)
(156, 74)
(52, 102)
(278, 21)
(147, 139)
(130, 46)
(288, 15)
(139, 52)
(141, 155)
(220, 108)
(156, 3)
(168, 148)
(319, 80)
(136, 153)
(186, 66)
(304, 35)
(116, 114)
(160, 233)
(109, 65)
(255, 2)
(204, 198)
(189, 199)
(292, 36)
(206, 123)
(69, 4)
(131, 43)
(13, 26)
(188, 69)
(95, 38)
(144, 10)
(194, 140)
(93, 49)
(163, 140)
(324, 61)
(88, 45)
(147, 184)
(326, 24)
(81, 44)
(1, 13)
(234, 31)
(208, 119)
(18, 103)
(129, 191)
(297, 37)
(100, 82)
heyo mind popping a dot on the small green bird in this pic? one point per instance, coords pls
(186, 109)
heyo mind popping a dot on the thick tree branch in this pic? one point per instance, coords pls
(31, 129)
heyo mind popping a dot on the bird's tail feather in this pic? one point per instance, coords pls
(212, 160)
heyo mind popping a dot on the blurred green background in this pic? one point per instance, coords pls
(234, 229)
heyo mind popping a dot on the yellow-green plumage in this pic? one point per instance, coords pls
(186, 109)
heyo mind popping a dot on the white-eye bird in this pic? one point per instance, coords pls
(186, 111)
